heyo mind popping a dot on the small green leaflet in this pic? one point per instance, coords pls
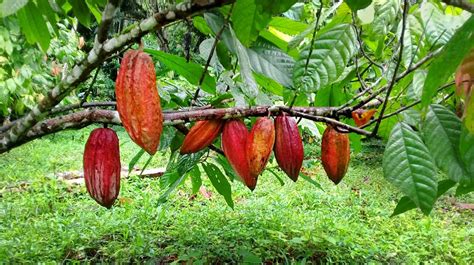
(219, 182)
(189, 70)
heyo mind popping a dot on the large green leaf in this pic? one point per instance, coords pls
(10, 7)
(272, 62)
(385, 15)
(327, 59)
(405, 204)
(251, 16)
(408, 165)
(444, 66)
(441, 132)
(189, 70)
(466, 150)
(34, 26)
(81, 11)
(251, 89)
(219, 182)
(411, 39)
(358, 4)
(196, 180)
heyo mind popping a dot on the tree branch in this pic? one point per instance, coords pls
(81, 119)
(107, 18)
(397, 66)
(464, 4)
(96, 56)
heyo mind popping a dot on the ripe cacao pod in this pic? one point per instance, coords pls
(335, 154)
(288, 147)
(234, 139)
(260, 145)
(101, 163)
(138, 102)
(362, 117)
(201, 135)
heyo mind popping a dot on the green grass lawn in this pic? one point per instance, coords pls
(49, 220)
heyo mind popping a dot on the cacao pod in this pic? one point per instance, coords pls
(138, 102)
(201, 135)
(101, 163)
(234, 139)
(288, 147)
(335, 153)
(260, 145)
(465, 75)
(362, 117)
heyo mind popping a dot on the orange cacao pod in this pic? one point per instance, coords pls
(259, 145)
(288, 147)
(335, 154)
(101, 163)
(234, 139)
(201, 135)
(465, 75)
(138, 102)
(362, 117)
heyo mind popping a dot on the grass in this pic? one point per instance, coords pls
(52, 221)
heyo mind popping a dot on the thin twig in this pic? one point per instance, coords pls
(211, 54)
(313, 38)
(400, 55)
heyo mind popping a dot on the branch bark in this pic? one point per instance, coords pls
(96, 56)
(81, 119)
(464, 4)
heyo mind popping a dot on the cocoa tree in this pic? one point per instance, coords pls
(333, 62)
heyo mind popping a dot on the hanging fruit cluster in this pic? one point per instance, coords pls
(138, 105)
(248, 152)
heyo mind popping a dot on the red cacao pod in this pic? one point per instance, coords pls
(260, 145)
(201, 135)
(102, 166)
(234, 139)
(335, 153)
(138, 102)
(288, 147)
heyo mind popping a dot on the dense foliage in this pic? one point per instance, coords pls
(318, 60)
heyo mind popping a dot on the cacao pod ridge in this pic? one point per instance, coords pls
(260, 145)
(335, 153)
(288, 147)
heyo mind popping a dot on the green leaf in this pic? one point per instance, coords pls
(287, 26)
(245, 68)
(408, 165)
(282, 183)
(81, 11)
(441, 132)
(385, 15)
(312, 181)
(189, 70)
(167, 137)
(219, 182)
(216, 22)
(146, 165)
(469, 114)
(269, 84)
(176, 180)
(135, 160)
(466, 151)
(229, 171)
(201, 25)
(331, 52)
(444, 66)
(95, 10)
(34, 26)
(272, 62)
(405, 203)
(249, 17)
(358, 4)
(196, 179)
(10, 7)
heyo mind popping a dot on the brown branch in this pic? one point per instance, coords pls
(107, 18)
(81, 119)
(464, 4)
(397, 66)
